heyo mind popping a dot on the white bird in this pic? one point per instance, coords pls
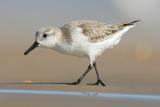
(81, 38)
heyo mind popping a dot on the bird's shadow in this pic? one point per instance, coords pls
(52, 83)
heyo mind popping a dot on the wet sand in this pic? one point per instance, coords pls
(130, 83)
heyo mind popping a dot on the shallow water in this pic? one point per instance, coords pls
(38, 95)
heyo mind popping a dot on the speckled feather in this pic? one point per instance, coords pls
(95, 31)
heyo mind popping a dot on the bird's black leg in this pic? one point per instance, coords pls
(81, 78)
(99, 81)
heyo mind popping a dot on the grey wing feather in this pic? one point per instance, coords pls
(100, 32)
(95, 31)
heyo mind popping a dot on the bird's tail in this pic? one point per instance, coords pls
(131, 23)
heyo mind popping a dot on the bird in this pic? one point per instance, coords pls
(82, 38)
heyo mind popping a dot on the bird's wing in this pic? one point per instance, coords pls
(93, 30)
(99, 32)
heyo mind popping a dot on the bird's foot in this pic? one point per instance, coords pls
(98, 83)
(75, 82)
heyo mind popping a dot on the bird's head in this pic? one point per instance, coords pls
(45, 37)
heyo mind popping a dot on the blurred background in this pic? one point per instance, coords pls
(133, 63)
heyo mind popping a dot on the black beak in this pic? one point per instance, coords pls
(35, 44)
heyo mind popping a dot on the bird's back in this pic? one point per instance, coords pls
(95, 31)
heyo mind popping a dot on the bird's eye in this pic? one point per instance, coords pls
(44, 35)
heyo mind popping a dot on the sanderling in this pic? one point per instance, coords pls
(81, 38)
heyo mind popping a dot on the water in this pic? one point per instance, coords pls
(38, 95)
